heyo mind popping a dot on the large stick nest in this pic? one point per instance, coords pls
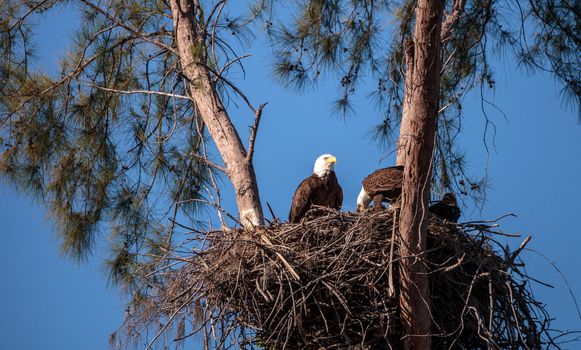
(324, 284)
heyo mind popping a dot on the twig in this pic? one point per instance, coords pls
(253, 131)
(274, 218)
(282, 259)
(169, 321)
(143, 92)
(210, 163)
(391, 288)
(229, 63)
(520, 248)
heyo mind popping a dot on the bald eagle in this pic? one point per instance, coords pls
(447, 208)
(321, 188)
(382, 185)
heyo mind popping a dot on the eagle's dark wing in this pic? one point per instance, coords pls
(301, 201)
(337, 193)
(339, 199)
(384, 181)
(446, 211)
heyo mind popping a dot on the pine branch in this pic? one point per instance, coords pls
(121, 24)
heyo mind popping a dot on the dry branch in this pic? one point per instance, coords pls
(253, 131)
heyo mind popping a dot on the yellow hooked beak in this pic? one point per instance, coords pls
(331, 159)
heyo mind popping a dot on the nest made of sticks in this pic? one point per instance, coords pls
(325, 284)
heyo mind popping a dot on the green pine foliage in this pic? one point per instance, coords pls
(360, 44)
(110, 165)
(555, 43)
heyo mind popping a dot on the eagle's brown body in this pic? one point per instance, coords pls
(315, 190)
(384, 184)
(447, 208)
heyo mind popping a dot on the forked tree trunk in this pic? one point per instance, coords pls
(238, 166)
(414, 286)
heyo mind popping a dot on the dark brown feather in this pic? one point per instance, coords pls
(386, 182)
(314, 190)
(447, 208)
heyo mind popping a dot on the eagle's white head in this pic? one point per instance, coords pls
(324, 164)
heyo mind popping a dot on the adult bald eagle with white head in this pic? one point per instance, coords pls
(321, 188)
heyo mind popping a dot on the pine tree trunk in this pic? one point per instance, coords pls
(239, 168)
(414, 287)
(405, 124)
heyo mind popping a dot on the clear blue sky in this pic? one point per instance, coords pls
(47, 302)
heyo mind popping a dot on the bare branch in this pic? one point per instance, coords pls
(253, 132)
(288, 266)
(520, 248)
(169, 321)
(231, 62)
(145, 92)
(210, 163)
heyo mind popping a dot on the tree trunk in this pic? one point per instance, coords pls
(414, 292)
(239, 168)
(404, 125)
